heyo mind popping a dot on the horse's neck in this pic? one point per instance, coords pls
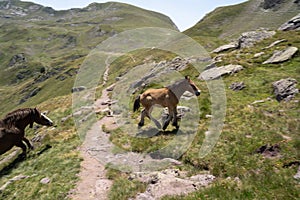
(23, 123)
(178, 88)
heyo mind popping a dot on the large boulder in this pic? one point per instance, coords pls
(226, 47)
(282, 56)
(217, 72)
(248, 39)
(170, 182)
(267, 4)
(292, 24)
(285, 89)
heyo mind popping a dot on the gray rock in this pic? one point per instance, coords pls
(78, 89)
(171, 182)
(268, 4)
(18, 58)
(226, 47)
(248, 39)
(237, 86)
(257, 55)
(285, 89)
(282, 56)
(275, 43)
(45, 180)
(297, 175)
(217, 72)
(292, 24)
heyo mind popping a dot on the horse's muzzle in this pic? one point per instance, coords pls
(197, 93)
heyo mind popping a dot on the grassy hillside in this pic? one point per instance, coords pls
(225, 23)
(42, 49)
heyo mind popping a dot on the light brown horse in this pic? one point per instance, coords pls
(165, 97)
(12, 128)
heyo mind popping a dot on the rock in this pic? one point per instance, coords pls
(34, 92)
(14, 179)
(297, 175)
(248, 39)
(217, 72)
(267, 4)
(45, 180)
(285, 89)
(170, 182)
(78, 89)
(237, 86)
(257, 55)
(282, 56)
(275, 43)
(292, 24)
(269, 151)
(18, 58)
(226, 47)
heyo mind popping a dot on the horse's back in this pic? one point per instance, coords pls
(161, 96)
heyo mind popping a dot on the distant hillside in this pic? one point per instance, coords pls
(41, 48)
(230, 21)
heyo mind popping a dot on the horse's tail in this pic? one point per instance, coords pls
(136, 104)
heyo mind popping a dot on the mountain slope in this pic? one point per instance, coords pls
(230, 21)
(41, 48)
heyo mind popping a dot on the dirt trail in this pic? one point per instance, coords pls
(93, 183)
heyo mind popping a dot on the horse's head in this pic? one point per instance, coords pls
(41, 119)
(193, 89)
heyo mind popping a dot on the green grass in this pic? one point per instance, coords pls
(55, 157)
(247, 127)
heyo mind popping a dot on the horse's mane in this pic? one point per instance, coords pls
(17, 115)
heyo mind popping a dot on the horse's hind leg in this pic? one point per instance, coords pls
(28, 143)
(142, 121)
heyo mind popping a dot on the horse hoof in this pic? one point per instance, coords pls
(141, 124)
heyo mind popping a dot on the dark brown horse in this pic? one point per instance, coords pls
(165, 97)
(12, 128)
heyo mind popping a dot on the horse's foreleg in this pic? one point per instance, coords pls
(23, 147)
(28, 143)
(167, 122)
(175, 122)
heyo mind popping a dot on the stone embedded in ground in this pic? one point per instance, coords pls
(292, 24)
(285, 89)
(275, 43)
(269, 151)
(282, 56)
(237, 86)
(170, 182)
(217, 72)
(248, 39)
(297, 175)
(226, 47)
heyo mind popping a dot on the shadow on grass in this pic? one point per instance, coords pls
(18, 158)
(151, 132)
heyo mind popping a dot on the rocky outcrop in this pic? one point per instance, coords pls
(237, 86)
(248, 39)
(18, 58)
(226, 47)
(285, 89)
(170, 182)
(282, 56)
(292, 24)
(217, 72)
(268, 4)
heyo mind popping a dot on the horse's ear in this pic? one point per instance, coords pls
(187, 77)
